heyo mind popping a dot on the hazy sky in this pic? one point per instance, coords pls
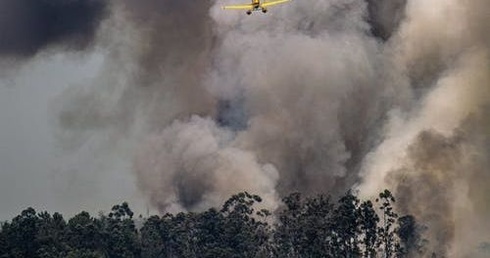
(34, 170)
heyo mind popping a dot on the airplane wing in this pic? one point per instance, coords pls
(238, 7)
(266, 4)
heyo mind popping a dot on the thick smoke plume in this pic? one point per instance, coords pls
(278, 94)
(28, 26)
(201, 165)
(434, 151)
(316, 96)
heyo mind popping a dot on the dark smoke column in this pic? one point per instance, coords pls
(28, 26)
(385, 16)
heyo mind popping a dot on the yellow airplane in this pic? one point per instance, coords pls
(256, 5)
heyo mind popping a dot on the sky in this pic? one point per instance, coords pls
(33, 165)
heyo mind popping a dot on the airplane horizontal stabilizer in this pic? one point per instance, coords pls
(238, 7)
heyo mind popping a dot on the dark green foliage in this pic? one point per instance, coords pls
(346, 226)
(120, 234)
(85, 233)
(304, 227)
(234, 231)
(84, 253)
(368, 220)
(387, 239)
(51, 235)
(242, 231)
(21, 235)
(317, 227)
(3, 242)
(155, 236)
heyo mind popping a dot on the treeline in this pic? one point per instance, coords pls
(304, 227)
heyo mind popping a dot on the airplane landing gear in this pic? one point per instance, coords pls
(264, 10)
(249, 12)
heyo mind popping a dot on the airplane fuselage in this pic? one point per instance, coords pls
(256, 6)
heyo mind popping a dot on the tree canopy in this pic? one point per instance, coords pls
(313, 226)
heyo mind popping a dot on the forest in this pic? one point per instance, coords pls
(313, 226)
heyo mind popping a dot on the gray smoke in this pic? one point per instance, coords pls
(28, 26)
(157, 55)
(433, 167)
(280, 91)
(279, 94)
(385, 16)
(435, 147)
(301, 97)
(316, 96)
